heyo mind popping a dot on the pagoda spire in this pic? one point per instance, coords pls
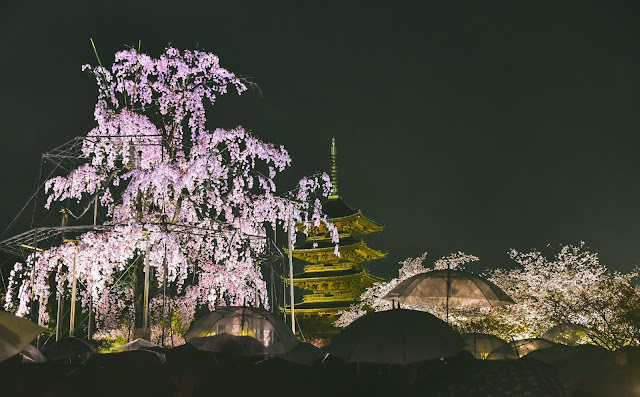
(334, 170)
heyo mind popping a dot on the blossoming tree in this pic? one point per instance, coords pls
(571, 287)
(191, 202)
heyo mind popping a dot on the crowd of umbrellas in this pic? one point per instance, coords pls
(249, 351)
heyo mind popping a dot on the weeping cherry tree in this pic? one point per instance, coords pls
(193, 202)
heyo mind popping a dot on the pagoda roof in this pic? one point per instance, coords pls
(339, 273)
(324, 244)
(302, 279)
(347, 220)
(335, 207)
(323, 305)
(351, 251)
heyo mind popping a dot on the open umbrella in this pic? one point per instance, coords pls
(622, 379)
(480, 345)
(138, 344)
(396, 337)
(268, 330)
(448, 287)
(568, 334)
(31, 354)
(233, 345)
(70, 349)
(142, 344)
(129, 373)
(519, 348)
(304, 354)
(574, 362)
(15, 333)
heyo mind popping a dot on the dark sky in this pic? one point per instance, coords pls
(475, 126)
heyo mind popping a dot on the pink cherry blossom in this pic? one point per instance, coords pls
(197, 199)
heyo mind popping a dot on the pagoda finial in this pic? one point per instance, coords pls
(334, 170)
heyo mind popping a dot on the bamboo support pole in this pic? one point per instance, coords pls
(291, 297)
(145, 308)
(72, 320)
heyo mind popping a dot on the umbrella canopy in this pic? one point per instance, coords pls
(71, 349)
(15, 333)
(396, 337)
(480, 345)
(451, 288)
(142, 344)
(129, 373)
(31, 354)
(273, 334)
(620, 379)
(305, 354)
(229, 344)
(519, 348)
(574, 362)
(568, 334)
(138, 344)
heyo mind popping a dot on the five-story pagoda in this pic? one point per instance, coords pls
(334, 281)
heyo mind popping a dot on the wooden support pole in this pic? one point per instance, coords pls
(60, 313)
(145, 307)
(255, 288)
(59, 317)
(291, 297)
(91, 325)
(72, 320)
(165, 268)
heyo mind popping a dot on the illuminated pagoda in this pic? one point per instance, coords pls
(334, 282)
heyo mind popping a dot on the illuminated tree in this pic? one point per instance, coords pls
(573, 287)
(178, 195)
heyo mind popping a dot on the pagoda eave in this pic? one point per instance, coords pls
(364, 274)
(354, 253)
(317, 311)
(354, 224)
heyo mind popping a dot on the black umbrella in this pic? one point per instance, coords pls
(130, 373)
(396, 337)
(305, 354)
(71, 349)
(574, 362)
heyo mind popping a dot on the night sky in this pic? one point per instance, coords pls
(468, 126)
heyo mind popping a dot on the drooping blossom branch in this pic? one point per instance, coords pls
(198, 200)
